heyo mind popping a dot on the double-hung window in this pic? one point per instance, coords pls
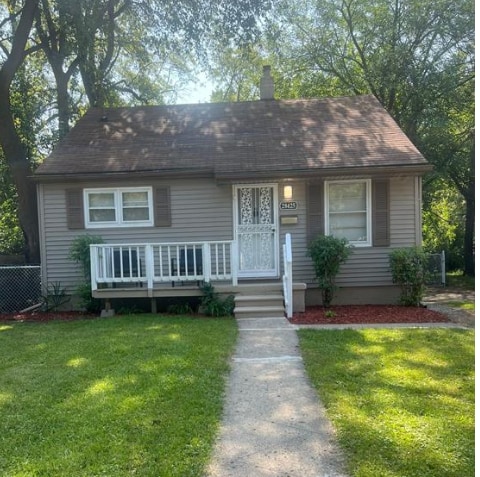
(118, 207)
(348, 210)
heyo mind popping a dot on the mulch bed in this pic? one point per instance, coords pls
(361, 314)
(346, 314)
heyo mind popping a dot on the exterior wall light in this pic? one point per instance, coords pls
(288, 192)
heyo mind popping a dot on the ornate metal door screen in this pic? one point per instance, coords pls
(256, 231)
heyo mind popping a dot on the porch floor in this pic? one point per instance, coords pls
(188, 289)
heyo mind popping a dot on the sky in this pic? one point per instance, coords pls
(196, 92)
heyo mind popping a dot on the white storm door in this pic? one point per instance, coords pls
(256, 230)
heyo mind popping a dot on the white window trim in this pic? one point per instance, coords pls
(368, 182)
(117, 194)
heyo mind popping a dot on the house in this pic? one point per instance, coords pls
(226, 192)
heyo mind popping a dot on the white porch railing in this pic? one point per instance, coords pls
(288, 276)
(163, 263)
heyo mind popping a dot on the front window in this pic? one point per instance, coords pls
(135, 206)
(348, 211)
(118, 207)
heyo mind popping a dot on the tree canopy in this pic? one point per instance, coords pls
(58, 57)
(416, 57)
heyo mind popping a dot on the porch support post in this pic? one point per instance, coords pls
(207, 263)
(150, 264)
(234, 262)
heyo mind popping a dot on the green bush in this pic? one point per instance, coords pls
(80, 253)
(87, 302)
(327, 254)
(212, 305)
(409, 270)
(180, 309)
(12, 241)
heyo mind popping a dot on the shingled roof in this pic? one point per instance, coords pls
(236, 140)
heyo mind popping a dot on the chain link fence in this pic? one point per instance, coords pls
(20, 288)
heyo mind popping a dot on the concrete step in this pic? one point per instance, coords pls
(259, 305)
(259, 311)
(259, 300)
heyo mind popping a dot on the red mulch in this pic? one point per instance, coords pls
(313, 315)
(366, 314)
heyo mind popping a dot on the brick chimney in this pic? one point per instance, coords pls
(267, 87)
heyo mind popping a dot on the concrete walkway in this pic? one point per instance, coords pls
(438, 299)
(273, 424)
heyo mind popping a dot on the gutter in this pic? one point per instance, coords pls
(238, 175)
(377, 171)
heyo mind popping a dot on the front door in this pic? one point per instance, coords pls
(256, 230)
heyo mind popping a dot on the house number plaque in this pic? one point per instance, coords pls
(288, 206)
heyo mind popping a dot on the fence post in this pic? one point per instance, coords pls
(442, 264)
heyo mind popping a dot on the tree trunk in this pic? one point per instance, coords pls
(468, 247)
(63, 100)
(14, 150)
(17, 160)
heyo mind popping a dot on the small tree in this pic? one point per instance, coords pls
(409, 270)
(327, 254)
(80, 253)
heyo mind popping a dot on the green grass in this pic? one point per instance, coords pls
(402, 401)
(464, 305)
(456, 279)
(138, 395)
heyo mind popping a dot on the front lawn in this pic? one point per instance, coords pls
(138, 395)
(402, 401)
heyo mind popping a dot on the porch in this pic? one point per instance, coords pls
(161, 270)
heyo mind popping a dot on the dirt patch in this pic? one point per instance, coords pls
(362, 314)
(44, 317)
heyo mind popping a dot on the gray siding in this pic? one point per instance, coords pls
(403, 212)
(367, 266)
(201, 210)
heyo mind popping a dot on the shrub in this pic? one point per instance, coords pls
(330, 314)
(55, 297)
(212, 305)
(409, 270)
(327, 254)
(12, 241)
(180, 309)
(87, 302)
(80, 253)
(129, 310)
